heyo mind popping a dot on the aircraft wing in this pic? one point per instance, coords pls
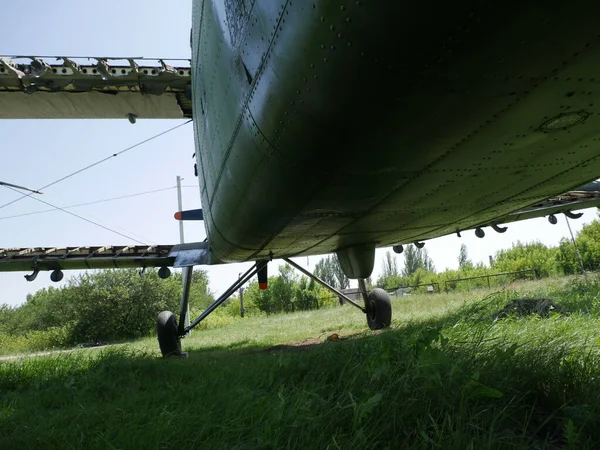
(93, 88)
(106, 257)
(586, 196)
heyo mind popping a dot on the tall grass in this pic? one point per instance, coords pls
(446, 375)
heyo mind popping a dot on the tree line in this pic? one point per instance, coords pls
(548, 260)
(116, 305)
(98, 306)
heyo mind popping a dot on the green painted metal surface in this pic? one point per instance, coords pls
(326, 125)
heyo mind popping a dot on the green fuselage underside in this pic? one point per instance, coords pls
(325, 125)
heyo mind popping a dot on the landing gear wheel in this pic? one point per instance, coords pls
(166, 329)
(379, 309)
(552, 219)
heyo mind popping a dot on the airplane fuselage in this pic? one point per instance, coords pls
(325, 125)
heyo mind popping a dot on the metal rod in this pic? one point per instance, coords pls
(491, 275)
(184, 306)
(362, 287)
(241, 300)
(180, 208)
(536, 273)
(244, 278)
(16, 186)
(393, 289)
(575, 244)
(318, 280)
(228, 293)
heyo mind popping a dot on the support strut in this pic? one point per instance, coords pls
(362, 287)
(228, 293)
(325, 285)
(185, 300)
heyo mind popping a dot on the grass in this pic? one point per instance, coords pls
(445, 375)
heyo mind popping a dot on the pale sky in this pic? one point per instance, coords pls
(37, 152)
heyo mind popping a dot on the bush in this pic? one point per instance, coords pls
(106, 306)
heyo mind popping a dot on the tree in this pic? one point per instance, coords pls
(412, 260)
(588, 243)
(390, 268)
(287, 293)
(416, 258)
(532, 255)
(330, 271)
(200, 295)
(390, 278)
(426, 261)
(282, 289)
(463, 258)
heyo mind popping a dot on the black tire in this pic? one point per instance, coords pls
(166, 330)
(379, 309)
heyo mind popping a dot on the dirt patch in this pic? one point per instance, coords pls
(307, 344)
(527, 306)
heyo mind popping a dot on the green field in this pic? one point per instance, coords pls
(446, 375)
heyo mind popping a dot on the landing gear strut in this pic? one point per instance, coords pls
(378, 306)
(169, 333)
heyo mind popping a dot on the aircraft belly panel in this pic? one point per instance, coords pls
(91, 105)
(328, 126)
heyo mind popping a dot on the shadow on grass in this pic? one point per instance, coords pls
(456, 381)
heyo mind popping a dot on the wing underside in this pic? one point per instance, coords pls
(587, 196)
(93, 88)
(104, 257)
